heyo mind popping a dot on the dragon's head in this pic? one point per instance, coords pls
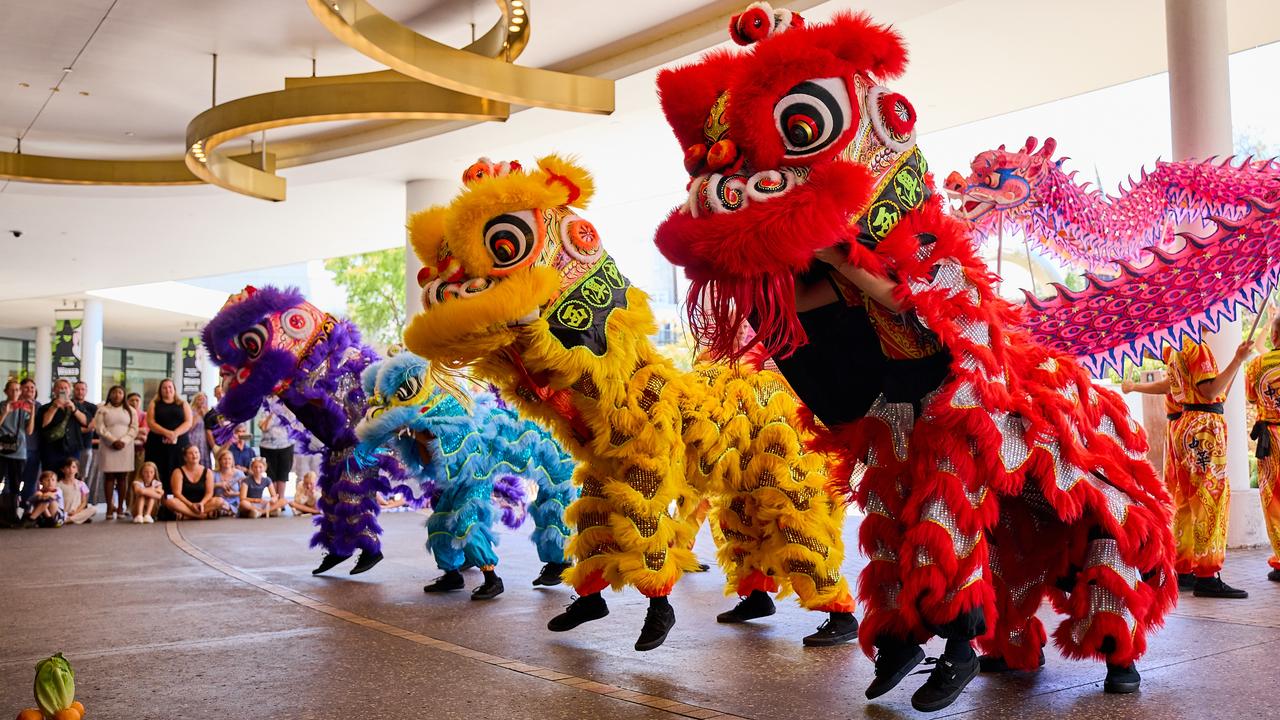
(258, 339)
(509, 263)
(792, 146)
(1001, 180)
(405, 405)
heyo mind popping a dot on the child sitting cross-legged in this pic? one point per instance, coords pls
(46, 504)
(257, 497)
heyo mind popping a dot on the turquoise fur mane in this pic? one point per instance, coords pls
(477, 462)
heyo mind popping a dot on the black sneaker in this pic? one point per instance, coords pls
(1122, 680)
(1214, 588)
(1186, 581)
(550, 574)
(893, 663)
(449, 581)
(329, 562)
(997, 664)
(658, 621)
(1274, 576)
(366, 561)
(489, 590)
(839, 628)
(582, 609)
(756, 605)
(945, 683)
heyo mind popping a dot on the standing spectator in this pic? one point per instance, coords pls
(31, 471)
(306, 497)
(58, 425)
(198, 435)
(46, 503)
(190, 495)
(240, 449)
(116, 425)
(226, 482)
(257, 498)
(148, 491)
(169, 418)
(17, 421)
(134, 401)
(88, 439)
(277, 448)
(75, 494)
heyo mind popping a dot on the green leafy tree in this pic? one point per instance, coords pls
(374, 283)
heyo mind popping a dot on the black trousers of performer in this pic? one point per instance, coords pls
(279, 463)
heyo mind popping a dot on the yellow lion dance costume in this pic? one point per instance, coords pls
(518, 289)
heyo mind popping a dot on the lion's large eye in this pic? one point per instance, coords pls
(813, 115)
(510, 239)
(409, 389)
(253, 341)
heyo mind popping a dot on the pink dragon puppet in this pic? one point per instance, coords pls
(1147, 286)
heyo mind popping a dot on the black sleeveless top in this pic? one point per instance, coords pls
(168, 416)
(193, 491)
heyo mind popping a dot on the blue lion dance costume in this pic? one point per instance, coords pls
(271, 342)
(473, 463)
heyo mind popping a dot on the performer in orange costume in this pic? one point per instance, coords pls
(1262, 388)
(1195, 464)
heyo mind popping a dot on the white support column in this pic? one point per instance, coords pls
(91, 349)
(420, 195)
(1200, 116)
(44, 361)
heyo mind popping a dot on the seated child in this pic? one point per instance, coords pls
(147, 492)
(306, 498)
(46, 503)
(257, 497)
(75, 494)
(226, 483)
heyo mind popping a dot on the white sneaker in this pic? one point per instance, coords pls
(148, 519)
(137, 520)
(111, 516)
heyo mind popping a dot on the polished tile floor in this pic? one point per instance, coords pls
(223, 620)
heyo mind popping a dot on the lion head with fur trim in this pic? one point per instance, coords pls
(509, 262)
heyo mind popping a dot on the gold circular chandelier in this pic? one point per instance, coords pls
(430, 88)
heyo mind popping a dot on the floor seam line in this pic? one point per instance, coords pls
(680, 709)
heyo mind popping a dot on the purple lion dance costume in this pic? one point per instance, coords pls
(271, 342)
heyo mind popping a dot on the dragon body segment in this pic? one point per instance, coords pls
(474, 461)
(1084, 228)
(518, 289)
(1148, 285)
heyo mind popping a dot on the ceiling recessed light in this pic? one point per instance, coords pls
(128, 133)
(517, 20)
(24, 85)
(54, 89)
(514, 28)
(517, 3)
(85, 93)
(518, 11)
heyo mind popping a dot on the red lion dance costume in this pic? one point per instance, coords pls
(992, 472)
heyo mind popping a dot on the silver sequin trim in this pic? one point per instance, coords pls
(899, 417)
(1105, 551)
(1013, 443)
(1101, 600)
(966, 396)
(876, 505)
(935, 511)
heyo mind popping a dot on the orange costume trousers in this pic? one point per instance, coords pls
(1195, 472)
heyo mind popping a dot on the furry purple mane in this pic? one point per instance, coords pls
(272, 342)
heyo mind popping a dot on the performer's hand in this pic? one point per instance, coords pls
(1244, 351)
(1126, 386)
